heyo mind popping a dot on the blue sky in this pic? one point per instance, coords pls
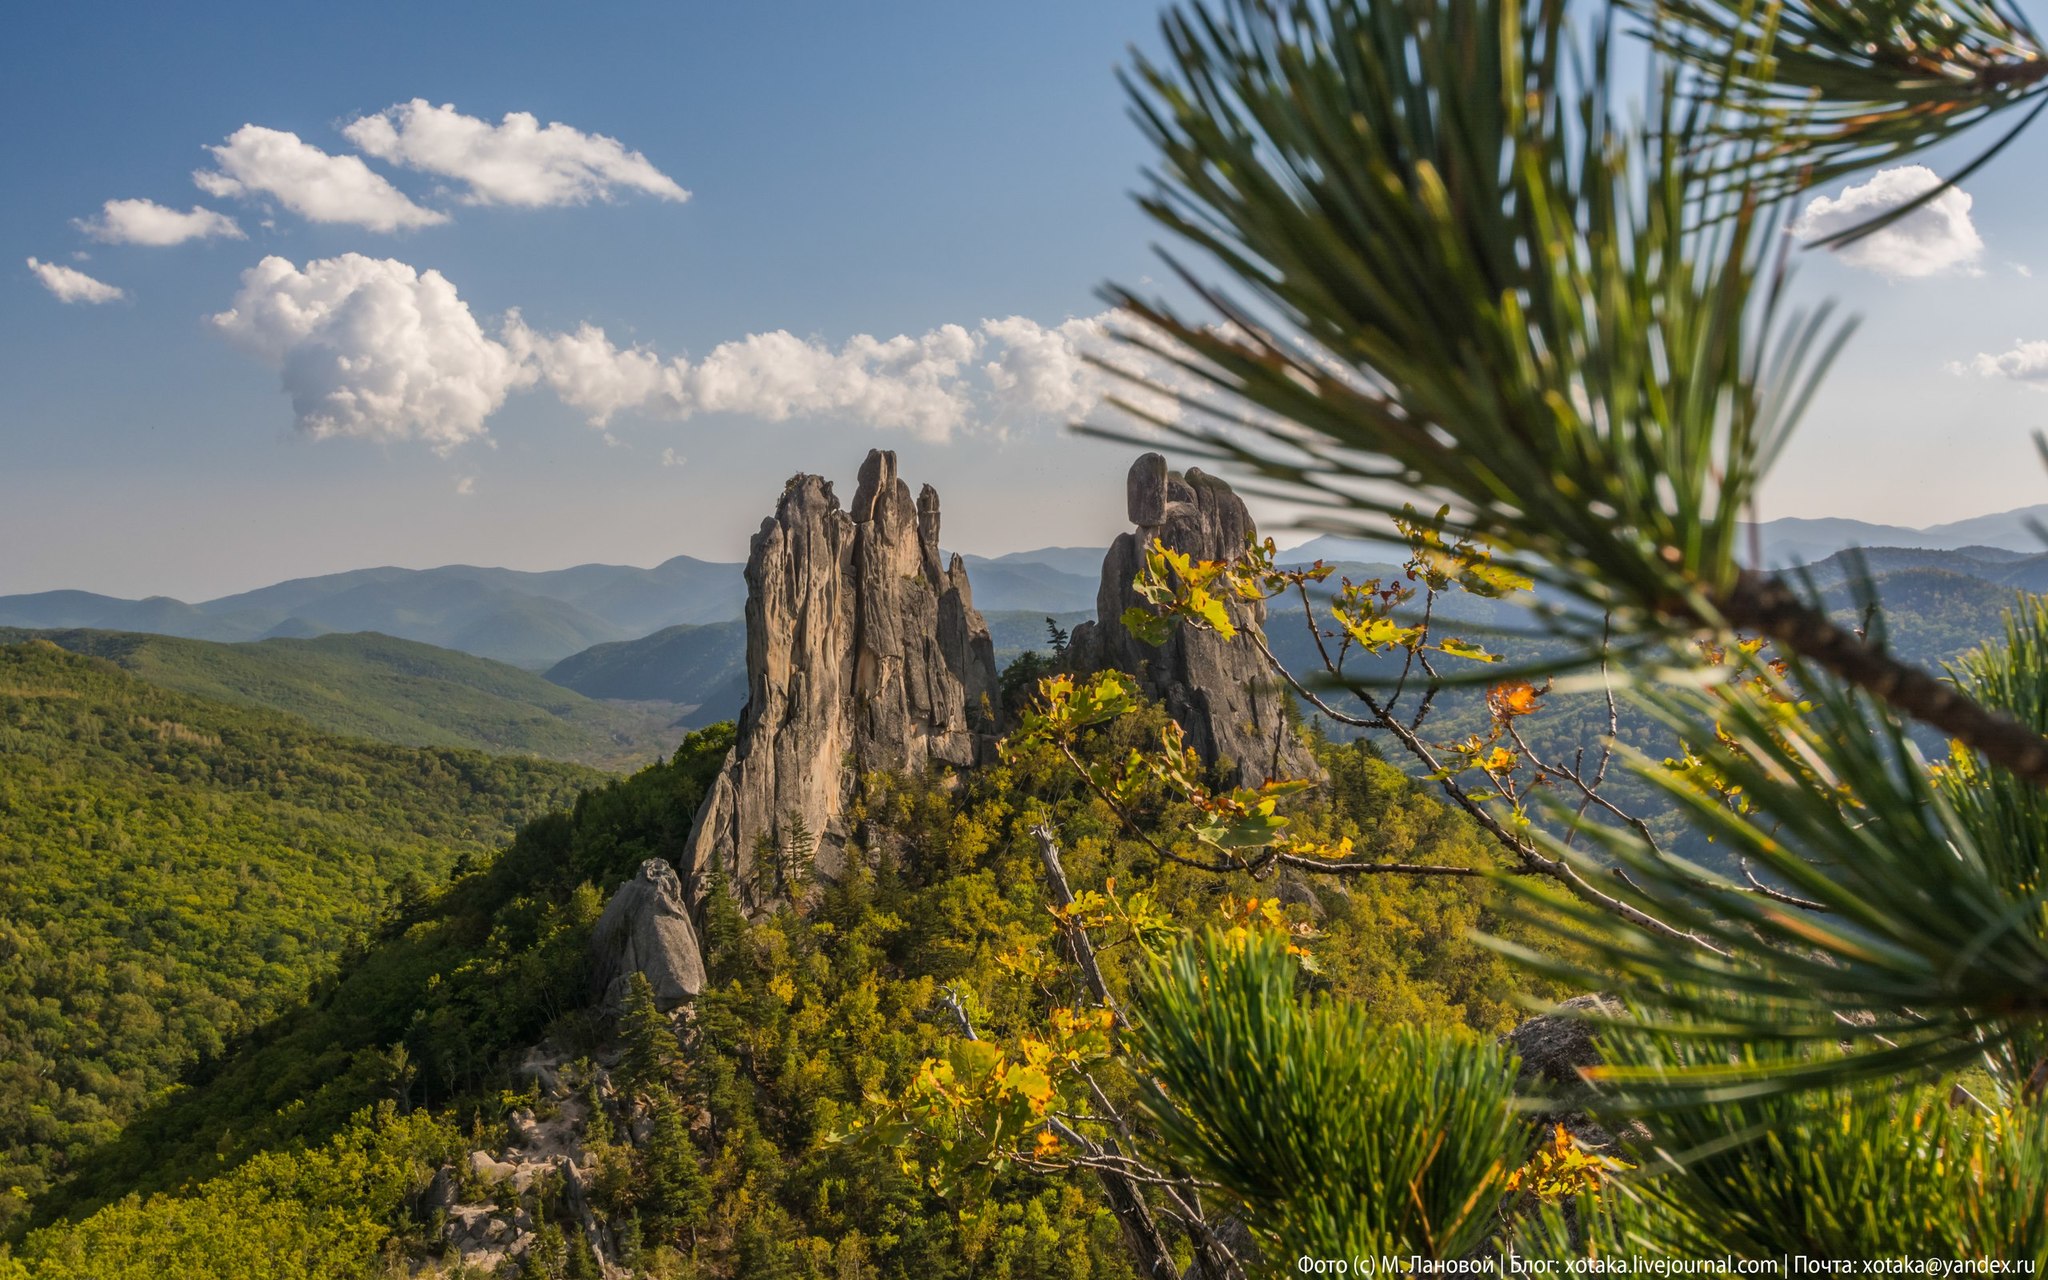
(887, 169)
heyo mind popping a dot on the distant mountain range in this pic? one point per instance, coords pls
(529, 619)
(1048, 580)
(672, 634)
(1785, 542)
(1794, 540)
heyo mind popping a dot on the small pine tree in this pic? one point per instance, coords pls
(799, 846)
(547, 1258)
(582, 1259)
(611, 1180)
(652, 1051)
(1056, 637)
(723, 928)
(630, 1241)
(767, 868)
(675, 1194)
(597, 1129)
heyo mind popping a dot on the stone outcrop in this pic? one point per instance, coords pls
(1554, 1049)
(864, 653)
(1220, 691)
(646, 929)
(497, 1228)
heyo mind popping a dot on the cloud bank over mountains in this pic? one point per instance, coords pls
(373, 349)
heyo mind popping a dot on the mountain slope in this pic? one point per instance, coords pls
(400, 691)
(702, 667)
(806, 1017)
(1021, 585)
(173, 871)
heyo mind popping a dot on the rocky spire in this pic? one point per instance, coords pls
(863, 653)
(1220, 691)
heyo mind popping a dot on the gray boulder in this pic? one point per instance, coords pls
(1554, 1049)
(646, 929)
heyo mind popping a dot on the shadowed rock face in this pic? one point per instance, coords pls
(863, 653)
(1220, 691)
(1555, 1048)
(646, 929)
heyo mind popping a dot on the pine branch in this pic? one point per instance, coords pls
(1764, 604)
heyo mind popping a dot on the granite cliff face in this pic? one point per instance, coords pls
(863, 653)
(1220, 691)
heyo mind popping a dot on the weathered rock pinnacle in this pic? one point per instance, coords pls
(646, 929)
(1220, 691)
(863, 653)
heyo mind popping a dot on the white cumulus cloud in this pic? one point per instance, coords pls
(517, 161)
(1045, 368)
(1937, 237)
(372, 349)
(901, 382)
(147, 222)
(69, 284)
(319, 187)
(2025, 362)
(905, 383)
(595, 378)
(933, 384)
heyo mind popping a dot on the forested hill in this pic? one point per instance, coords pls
(174, 871)
(370, 685)
(311, 1148)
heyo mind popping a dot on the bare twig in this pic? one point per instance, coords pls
(1332, 867)
(951, 999)
(1214, 1257)
(1531, 858)
(1134, 827)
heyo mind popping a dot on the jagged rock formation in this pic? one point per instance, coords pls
(646, 929)
(1220, 691)
(863, 653)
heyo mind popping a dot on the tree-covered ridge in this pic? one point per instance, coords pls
(810, 1015)
(368, 685)
(434, 1004)
(174, 872)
